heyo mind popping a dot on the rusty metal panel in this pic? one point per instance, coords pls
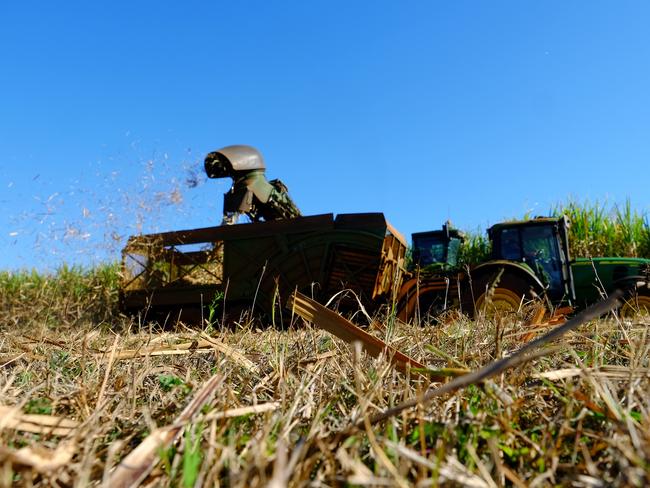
(391, 268)
(371, 222)
(263, 263)
(171, 297)
(393, 231)
(240, 231)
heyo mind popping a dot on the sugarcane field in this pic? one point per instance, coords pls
(325, 244)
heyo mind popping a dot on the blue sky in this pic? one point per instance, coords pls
(473, 111)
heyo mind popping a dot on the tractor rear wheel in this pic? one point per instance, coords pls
(429, 305)
(637, 304)
(503, 298)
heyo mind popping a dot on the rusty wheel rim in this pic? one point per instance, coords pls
(637, 305)
(500, 302)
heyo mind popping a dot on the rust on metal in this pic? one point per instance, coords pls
(392, 266)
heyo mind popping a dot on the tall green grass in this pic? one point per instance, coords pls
(475, 250)
(598, 229)
(68, 296)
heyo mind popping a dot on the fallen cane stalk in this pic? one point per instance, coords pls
(102, 390)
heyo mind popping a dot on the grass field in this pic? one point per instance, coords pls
(82, 388)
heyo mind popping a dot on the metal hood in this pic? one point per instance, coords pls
(230, 159)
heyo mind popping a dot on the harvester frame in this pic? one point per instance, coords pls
(256, 266)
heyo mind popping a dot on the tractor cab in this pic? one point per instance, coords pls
(437, 249)
(542, 245)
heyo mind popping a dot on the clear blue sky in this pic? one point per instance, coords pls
(474, 111)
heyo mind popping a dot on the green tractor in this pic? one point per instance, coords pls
(432, 281)
(436, 250)
(530, 260)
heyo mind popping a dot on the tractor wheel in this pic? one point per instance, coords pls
(424, 307)
(505, 298)
(637, 304)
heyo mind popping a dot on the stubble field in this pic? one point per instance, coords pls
(89, 397)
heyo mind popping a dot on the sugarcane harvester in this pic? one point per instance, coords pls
(219, 272)
(251, 193)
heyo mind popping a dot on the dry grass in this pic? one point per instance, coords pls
(578, 416)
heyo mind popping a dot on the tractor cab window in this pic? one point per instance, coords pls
(436, 249)
(537, 246)
(452, 252)
(510, 245)
(429, 250)
(541, 253)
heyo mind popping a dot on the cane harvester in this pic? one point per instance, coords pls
(256, 266)
(222, 271)
(530, 260)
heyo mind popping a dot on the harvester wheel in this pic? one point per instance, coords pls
(505, 298)
(637, 304)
